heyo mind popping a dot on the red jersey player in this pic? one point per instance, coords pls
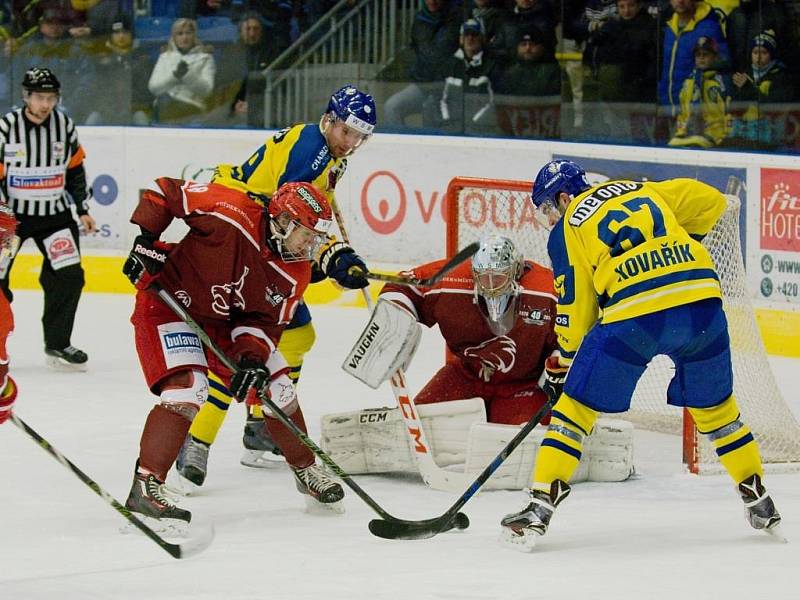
(8, 389)
(496, 316)
(240, 271)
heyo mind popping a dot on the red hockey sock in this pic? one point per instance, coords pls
(297, 455)
(162, 438)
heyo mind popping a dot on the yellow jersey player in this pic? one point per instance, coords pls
(633, 281)
(316, 153)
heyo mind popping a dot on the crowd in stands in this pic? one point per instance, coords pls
(696, 73)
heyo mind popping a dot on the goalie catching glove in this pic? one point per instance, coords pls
(387, 344)
(146, 259)
(341, 263)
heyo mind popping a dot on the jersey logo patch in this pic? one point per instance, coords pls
(535, 316)
(221, 293)
(496, 354)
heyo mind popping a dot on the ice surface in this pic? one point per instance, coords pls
(664, 535)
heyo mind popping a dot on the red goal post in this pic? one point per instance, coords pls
(475, 206)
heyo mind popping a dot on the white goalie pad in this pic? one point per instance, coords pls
(607, 454)
(375, 440)
(387, 344)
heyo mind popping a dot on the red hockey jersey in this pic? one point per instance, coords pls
(222, 269)
(517, 355)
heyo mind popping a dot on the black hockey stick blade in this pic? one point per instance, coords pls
(459, 257)
(417, 530)
(202, 538)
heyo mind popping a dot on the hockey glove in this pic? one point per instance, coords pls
(145, 261)
(250, 375)
(7, 397)
(554, 376)
(340, 262)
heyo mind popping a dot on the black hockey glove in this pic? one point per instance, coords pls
(250, 375)
(145, 261)
(181, 70)
(555, 374)
(340, 262)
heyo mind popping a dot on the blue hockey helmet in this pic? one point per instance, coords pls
(555, 177)
(355, 108)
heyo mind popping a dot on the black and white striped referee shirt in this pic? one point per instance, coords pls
(41, 165)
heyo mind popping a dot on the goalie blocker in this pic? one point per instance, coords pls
(387, 344)
(374, 441)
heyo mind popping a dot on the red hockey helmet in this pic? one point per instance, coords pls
(8, 225)
(300, 218)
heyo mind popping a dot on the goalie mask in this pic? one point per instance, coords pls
(300, 218)
(496, 269)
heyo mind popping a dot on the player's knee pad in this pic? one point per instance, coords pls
(184, 392)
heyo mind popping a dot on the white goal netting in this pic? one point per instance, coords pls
(476, 207)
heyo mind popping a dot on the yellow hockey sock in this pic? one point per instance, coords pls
(732, 439)
(560, 452)
(209, 418)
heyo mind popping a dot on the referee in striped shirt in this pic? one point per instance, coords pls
(41, 176)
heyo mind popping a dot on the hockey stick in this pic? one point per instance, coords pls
(189, 548)
(460, 521)
(416, 530)
(432, 474)
(451, 264)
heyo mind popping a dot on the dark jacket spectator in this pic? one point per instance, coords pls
(620, 54)
(253, 53)
(468, 95)
(491, 15)
(533, 72)
(690, 21)
(526, 14)
(434, 37)
(752, 17)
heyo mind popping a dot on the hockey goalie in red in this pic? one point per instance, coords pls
(240, 272)
(496, 316)
(8, 389)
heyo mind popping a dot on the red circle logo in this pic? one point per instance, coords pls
(383, 182)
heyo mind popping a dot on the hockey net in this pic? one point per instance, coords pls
(479, 206)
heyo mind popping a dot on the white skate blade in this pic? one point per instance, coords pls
(521, 543)
(58, 364)
(777, 533)
(166, 528)
(261, 459)
(315, 507)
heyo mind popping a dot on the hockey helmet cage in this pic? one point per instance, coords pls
(8, 225)
(355, 108)
(555, 177)
(40, 79)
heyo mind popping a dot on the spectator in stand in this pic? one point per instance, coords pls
(245, 62)
(620, 66)
(434, 38)
(117, 66)
(491, 14)
(526, 14)
(765, 82)
(690, 21)
(183, 77)
(703, 119)
(534, 71)
(102, 15)
(752, 17)
(467, 104)
(191, 9)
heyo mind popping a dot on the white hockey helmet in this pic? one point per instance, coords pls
(496, 269)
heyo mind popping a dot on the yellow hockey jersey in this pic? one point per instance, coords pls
(297, 153)
(629, 248)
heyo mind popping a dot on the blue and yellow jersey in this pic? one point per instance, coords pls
(297, 153)
(628, 248)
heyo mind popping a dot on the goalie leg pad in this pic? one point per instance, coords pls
(374, 440)
(387, 344)
(607, 454)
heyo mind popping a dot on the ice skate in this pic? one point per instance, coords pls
(322, 493)
(192, 464)
(149, 504)
(520, 530)
(759, 509)
(260, 451)
(66, 359)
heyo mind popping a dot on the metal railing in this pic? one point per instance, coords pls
(351, 42)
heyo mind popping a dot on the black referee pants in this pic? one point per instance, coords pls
(62, 287)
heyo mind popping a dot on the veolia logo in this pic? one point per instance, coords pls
(387, 182)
